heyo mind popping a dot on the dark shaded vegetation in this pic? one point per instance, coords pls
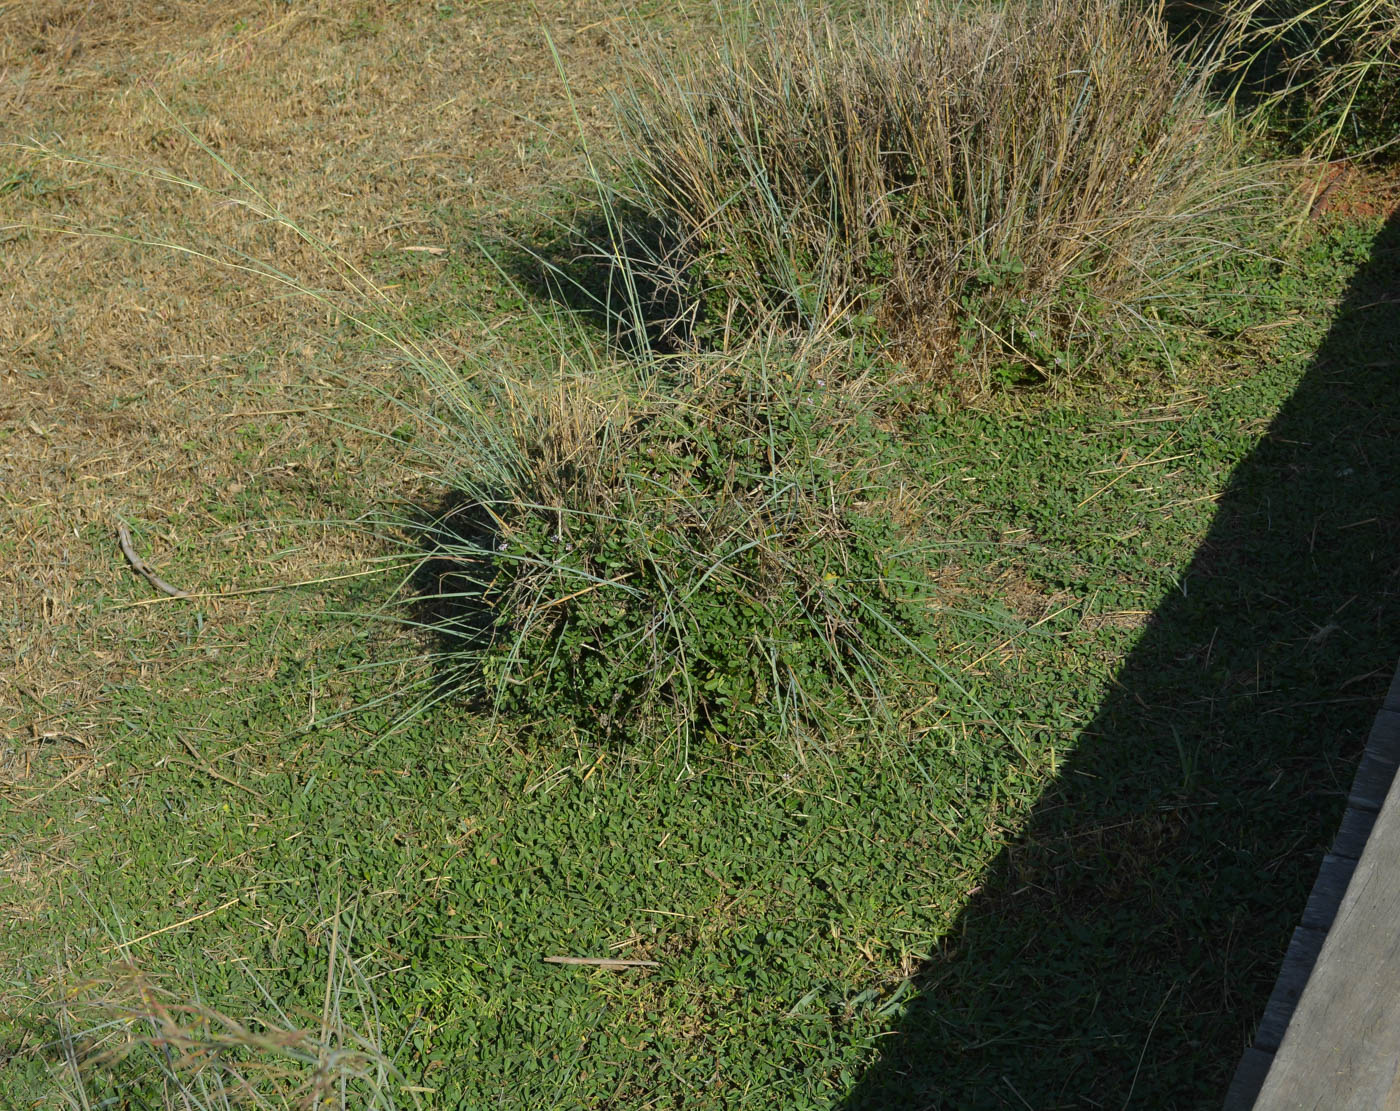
(1321, 75)
(602, 265)
(1122, 948)
(453, 585)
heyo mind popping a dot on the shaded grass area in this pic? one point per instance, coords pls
(1125, 942)
(785, 904)
(1322, 76)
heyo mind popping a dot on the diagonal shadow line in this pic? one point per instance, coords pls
(1120, 952)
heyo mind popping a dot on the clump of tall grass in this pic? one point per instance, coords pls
(125, 1039)
(676, 548)
(1009, 192)
(1327, 71)
(713, 555)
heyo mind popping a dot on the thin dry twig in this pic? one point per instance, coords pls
(203, 765)
(263, 589)
(167, 929)
(141, 567)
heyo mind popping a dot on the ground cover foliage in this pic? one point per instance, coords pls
(753, 657)
(1177, 847)
(785, 903)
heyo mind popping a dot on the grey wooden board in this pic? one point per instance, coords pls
(1355, 829)
(1249, 1078)
(1392, 700)
(1384, 740)
(1372, 782)
(1327, 892)
(1288, 988)
(1377, 769)
(1341, 1051)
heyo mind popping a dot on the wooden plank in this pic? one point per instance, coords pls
(1292, 978)
(1372, 783)
(1384, 740)
(1341, 1052)
(1354, 831)
(1249, 1078)
(1385, 736)
(1392, 700)
(1327, 892)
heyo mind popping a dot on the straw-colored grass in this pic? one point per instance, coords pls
(1329, 70)
(1008, 193)
(125, 1036)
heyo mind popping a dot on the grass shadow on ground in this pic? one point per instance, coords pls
(449, 596)
(605, 268)
(1120, 952)
(455, 537)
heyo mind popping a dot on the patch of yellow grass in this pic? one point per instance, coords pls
(140, 382)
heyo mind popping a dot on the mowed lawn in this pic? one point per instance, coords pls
(218, 798)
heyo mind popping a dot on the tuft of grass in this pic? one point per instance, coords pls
(713, 552)
(123, 1035)
(1010, 194)
(1327, 74)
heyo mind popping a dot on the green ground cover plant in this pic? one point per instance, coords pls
(1149, 884)
(758, 665)
(784, 903)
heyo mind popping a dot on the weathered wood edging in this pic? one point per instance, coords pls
(1330, 1035)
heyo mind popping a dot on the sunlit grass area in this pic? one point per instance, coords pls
(787, 639)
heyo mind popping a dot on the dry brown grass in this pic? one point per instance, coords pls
(130, 376)
(1016, 194)
(122, 1020)
(1337, 62)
